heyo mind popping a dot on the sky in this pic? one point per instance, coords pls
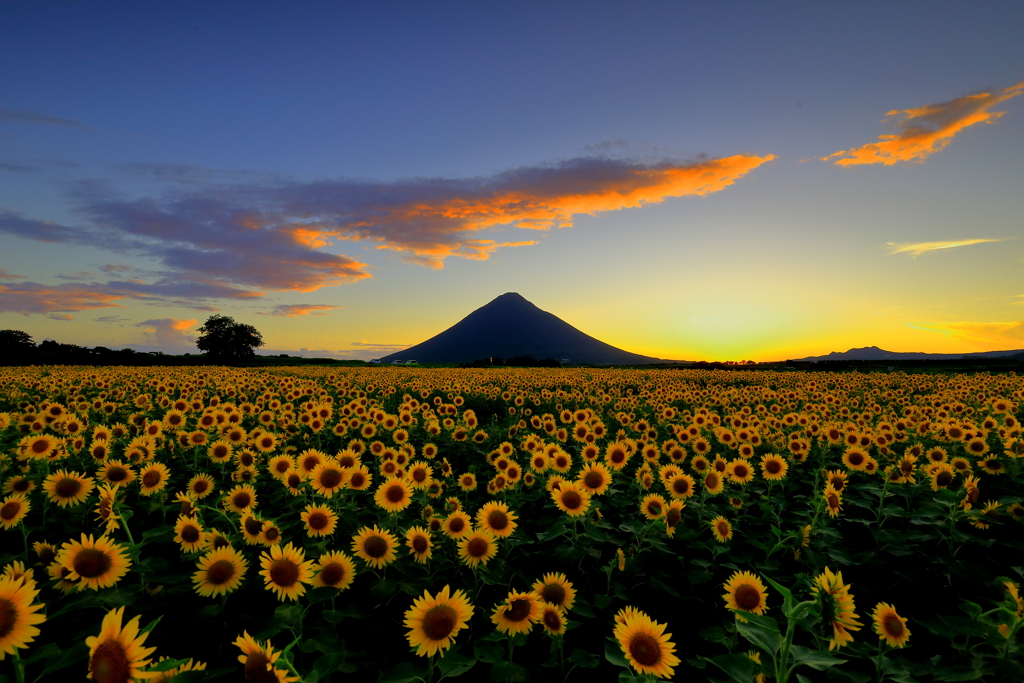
(689, 181)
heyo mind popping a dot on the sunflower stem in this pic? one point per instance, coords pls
(881, 502)
(19, 667)
(878, 662)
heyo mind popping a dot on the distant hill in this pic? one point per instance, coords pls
(875, 353)
(510, 327)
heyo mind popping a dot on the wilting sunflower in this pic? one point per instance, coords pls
(773, 467)
(595, 478)
(220, 572)
(518, 614)
(240, 498)
(153, 478)
(375, 546)
(200, 486)
(477, 547)
(555, 589)
(320, 520)
(334, 570)
(890, 626)
(418, 540)
(457, 525)
(189, 534)
(435, 620)
(645, 644)
(12, 511)
(393, 495)
(105, 508)
(714, 482)
(328, 478)
(833, 500)
(838, 607)
(496, 518)
(259, 661)
(67, 488)
(673, 515)
(571, 498)
(285, 570)
(18, 624)
(653, 506)
(721, 529)
(94, 563)
(116, 655)
(745, 593)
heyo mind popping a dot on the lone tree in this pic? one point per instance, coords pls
(15, 341)
(226, 339)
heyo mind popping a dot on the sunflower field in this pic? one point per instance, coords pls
(407, 524)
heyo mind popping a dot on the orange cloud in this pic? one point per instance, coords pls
(926, 130)
(32, 297)
(295, 310)
(169, 333)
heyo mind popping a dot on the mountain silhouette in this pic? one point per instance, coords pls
(875, 353)
(512, 327)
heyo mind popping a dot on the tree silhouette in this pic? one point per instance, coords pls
(15, 341)
(223, 338)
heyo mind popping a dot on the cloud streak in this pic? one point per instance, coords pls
(32, 297)
(25, 116)
(918, 248)
(922, 131)
(295, 310)
(988, 333)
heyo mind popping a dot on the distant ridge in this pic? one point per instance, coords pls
(875, 353)
(511, 327)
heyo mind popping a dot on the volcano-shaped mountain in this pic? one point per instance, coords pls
(511, 327)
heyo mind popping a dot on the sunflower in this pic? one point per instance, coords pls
(116, 473)
(420, 474)
(721, 528)
(375, 546)
(477, 547)
(220, 572)
(714, 482)
(890, 626)
(94, 563)
(518, 614)
(259, 661)
(359, 478)
(434, 621)
(673, 515)
(739, 471)
(189, 534)
(266, 442)
(992, 465)
(653, 506)
(320, 520)
(105, 508)
(616, 455)
(251, 527)
(833, 500)
(40, 446)
(645, 644)
(13, 511)
(240, 498)
(496, 518)
(418, 540)
(552, 619)
(116, 655)
(280, 464)
(457, 525)
(19, 485)
(838, 607)
(680, 485)
(745, 593)
(327, 478)
(942, 476)
(270, 533)
(555, 589)
(67, 488)
(393, 495)
(17, 628)
(285, 570)
(855, 458)
(334, 570)
(200, 486)
(572, 499)
(467, 481)
(595, 478)
(153, 478)
(773, 467)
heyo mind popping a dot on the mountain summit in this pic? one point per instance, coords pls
(510, 327)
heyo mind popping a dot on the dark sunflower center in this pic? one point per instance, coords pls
(439, 622)
(476, 547)
(90, 563)
(242, 499)
(645, 649)
(8, 617)
(672, 517)
(856, 459)
(200, 486)
(220, 452)
(281, 466)
(571, 499)
(723, 529)
(892, 625)
(419, 474)
(272, 533)
(833, 501)
(420, 544)
(10, 510)
(318, 521)
(395, 494)
(553, 593)
(329, 479)
(21, 485)
(109, 663)
(497, 520)
(552, 620)
(740, 471)
(748, 598)
(68, 488)
(518, 610)
(40, 446)
(618, 456)
(375, 546)
(593, 480)
(773, 467)
(944, 479)
(151, 479)
(256, 670)
(681, 485)
(294, 481)
(711, 481)
(332, 574)
(284, 573)
(253, 526)
(456, 525)
(117, 474)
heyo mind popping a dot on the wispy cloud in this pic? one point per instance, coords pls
(922, 131)
(112, 320)
(988, 333)
(32, 297)
(25, 116)
(4, 275)
(64, 316)
(295, 310)
(169, 333)
(918, 248)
